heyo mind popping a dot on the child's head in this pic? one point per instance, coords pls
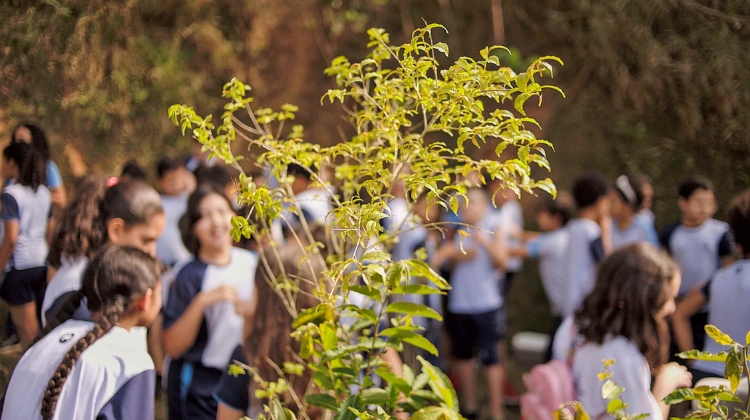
(555, 213)
(634, 293)
(207, 221)
(219, 177)
(477, 207)
(170, 179)
(738, 217)
(33, 135)
(22, 164)
(625, 198)
(302, 177)
(80, 231)
(131, 171)
(697, 202)
(590, 194)
(119, 283)
(133, 215)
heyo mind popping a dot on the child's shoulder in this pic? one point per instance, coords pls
(119, 352)
(193, 268)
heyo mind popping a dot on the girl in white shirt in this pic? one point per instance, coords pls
(94, 369)
(624, 318)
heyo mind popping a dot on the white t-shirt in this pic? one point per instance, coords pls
(638, 231)
(581, 258)
(476, 284)
(551, 249)
(113, 378)
(510, 217)
(727, 294)
(316, 203)
(67, 279)
(169, 247)
(631, 371)
(32, 210)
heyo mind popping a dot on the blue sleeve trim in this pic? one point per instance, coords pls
(54, 179)
(726, 245)
(10, 207)
(133, 401)
(187, 284)
(534, 248)
(597, 249)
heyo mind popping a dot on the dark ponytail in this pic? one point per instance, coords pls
(31, 169)
(134, 202)
(80, 231)
(113, 280)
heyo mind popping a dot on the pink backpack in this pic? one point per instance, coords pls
(548, 387)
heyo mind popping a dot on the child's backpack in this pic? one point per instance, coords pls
(548, 387)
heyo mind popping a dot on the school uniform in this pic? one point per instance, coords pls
(27, 278)
(65, 282)
(585, 250)
(510, 218)
(112, 379)
(550, 249)
(639, 230)
(631, 371)
(54, 178)
(234, 390)
(475, 302)
(169, 246)
(193, 377)
(698, 252)
(727, 294)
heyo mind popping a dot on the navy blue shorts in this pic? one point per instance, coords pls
(24, 286)
(190, 389)
(475, 335)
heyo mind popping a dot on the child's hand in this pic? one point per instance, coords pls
(670, 377)
(223, 293)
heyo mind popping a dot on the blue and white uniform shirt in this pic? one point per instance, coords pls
(32, 209)
(65, 282)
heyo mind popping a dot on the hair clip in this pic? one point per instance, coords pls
(112, 181)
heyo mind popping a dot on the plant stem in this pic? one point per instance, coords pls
(747, 376)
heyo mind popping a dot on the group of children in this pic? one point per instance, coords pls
(129, 284)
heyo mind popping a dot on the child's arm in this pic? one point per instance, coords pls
(9, 242)
(495, 246)
(226, 412)
(450, 253)
(687, 307)
(181, 335)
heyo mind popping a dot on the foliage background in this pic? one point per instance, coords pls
(659, 86)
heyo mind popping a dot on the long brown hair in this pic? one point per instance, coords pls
(80, 231)
(270, 336)
(632, 286)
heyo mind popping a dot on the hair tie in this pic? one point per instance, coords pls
(623, 185)
(112, 181)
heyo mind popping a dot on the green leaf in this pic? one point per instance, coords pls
(610, 390)
(747, 338)
(419, 341)
(396, 275)
(704, 356)
(435, 413)
(718, 336)
(328, 336)
(413, 309)
(399, 383)
(322, 400)
(344, 413)
(376, 256)
(440, 384)
(422, 269)
(615, 405)
(679, 395)
(417, 289)
(733, 370)
(377, 396)
(370, 292)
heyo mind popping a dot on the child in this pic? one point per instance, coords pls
(588, 240)
(625, 201)
(509, 215)
(624, 318)
(35, 136)
(475, 301)
(267, 336)
(550, 247)
(201, 326)
(699, 244)
(26, 214)
(219, 177)
(124, 214)
(171, 185)
(97, 369)
(726, 294)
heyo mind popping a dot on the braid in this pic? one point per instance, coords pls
(63, 314)
(109, 318)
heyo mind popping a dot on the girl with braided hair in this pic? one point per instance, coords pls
(94, 369)
(127, 213)
(26, 215)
